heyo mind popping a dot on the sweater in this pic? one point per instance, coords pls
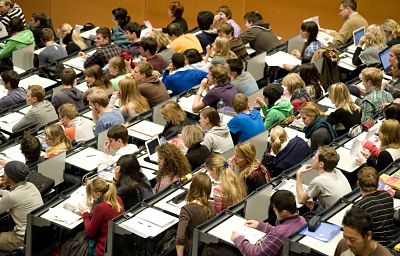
(355, 21)
(218, 139)
(281, 109)
(260, 37)
(13, 97)
(17, 41)
(153, 90)
(68, 95)
(182, 79)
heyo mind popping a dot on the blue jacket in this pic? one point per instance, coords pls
(246, 126)
(182, 80)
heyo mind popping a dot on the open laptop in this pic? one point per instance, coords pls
(151, 146)
(257, 204)
(357, 34)
(384, 57)
(53, 168)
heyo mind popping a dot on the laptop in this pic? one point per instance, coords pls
(53, 168)
(151, 146)
(257, 204)
(357, 34)
(384, 57)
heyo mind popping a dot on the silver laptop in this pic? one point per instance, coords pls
(384, 57)
(257, 204)
(357, 34)
(54, 168)
(151, 146)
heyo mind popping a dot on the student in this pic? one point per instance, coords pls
(17, 203)
(392, 32)
(217, 139)
(243, 81)
(236, 44)
(250, 169)
(95, 79)
(105, 50)
(194, 60)
(219, 51)
(52, 51)
(207, 36)
(39, 21)
(309, 31)
(176, 119)
(284, 205)
(274, 107)
(121, 18)
(148, 51)
(132, 33)
(378, 203)
(69, 93)
(294, 89)
(357, 236)
(15, 95)
(352, 21)
(117, 140)
(312, 78)
(175, 12)
(150, 86)
(10, 10)
(195, 212)
(105, 205)
(172, 165)
(163, 46)
(258, 34)
(230, 188)
(117, 70)
(247, 123)
(41, 113)
(181, 42)
(132, 185)
(103, 116)
(71, 39)
(393, 86)
(283, 153)
(330, 184)
(56, 140)
(76, 128)
(374, 41)
(197, 153)
(224, 16)
(317, 130)
(31, 148)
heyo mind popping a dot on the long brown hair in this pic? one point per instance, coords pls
(107, 190)
(175, 163)
(130, 95)
(200, 190)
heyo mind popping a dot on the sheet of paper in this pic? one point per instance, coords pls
(76, 62)
(78, 197)
(145, 130)
(356, 148)
(337, 219)
(62, 217)
(187, 102)
(14, 153)
(25, 110)
(35, 79)
(289, 185)
(280, 58)
(82, 87)
(323, 247)
(346, 163)
(87, 159)
(293, 133)
(90, 34)
(147, 164)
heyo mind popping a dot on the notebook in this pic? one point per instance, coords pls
(325, 232)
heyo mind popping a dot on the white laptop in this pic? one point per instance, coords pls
(151, 146)
(357, 34)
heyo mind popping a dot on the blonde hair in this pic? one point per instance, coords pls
(130, 95)
(76, 38)
(392, 27)
(223, 48)
(173, 112)
(311, 109)
(118, 63)
(200, 190)
(390, 134)
(107, 190)
(161, 38)
(247, 151)
(192, 134)
(56, 133)
(374, 36)
(278, 136)
(293, 81)
(374, 75)
(233, 187)
(340, 96)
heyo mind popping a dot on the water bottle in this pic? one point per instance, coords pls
(221, 109)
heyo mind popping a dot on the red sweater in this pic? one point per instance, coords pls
(97, 226)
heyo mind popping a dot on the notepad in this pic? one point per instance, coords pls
(325, 232)
(356, 148)
(78, 197)
(61, 215)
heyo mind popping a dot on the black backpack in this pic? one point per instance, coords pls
(43, 184)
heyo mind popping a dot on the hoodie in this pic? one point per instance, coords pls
(218, 139)
(153, 90)
(68, 95)
(17, 41)
(260, 37)
(246, 125)
(281, 109)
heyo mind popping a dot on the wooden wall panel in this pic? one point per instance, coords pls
(29, 7)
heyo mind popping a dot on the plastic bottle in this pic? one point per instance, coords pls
(221, 108)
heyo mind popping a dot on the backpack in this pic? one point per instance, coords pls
(43, 184)
(52, 70)
(75, 246)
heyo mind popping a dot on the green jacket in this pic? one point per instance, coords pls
(17, 41)
(277, 113)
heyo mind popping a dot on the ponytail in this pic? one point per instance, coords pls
(108, 191)
(110, 197)
(276, 145)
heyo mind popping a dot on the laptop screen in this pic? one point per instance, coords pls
(357, 34)
(384, 57)
(152, 144)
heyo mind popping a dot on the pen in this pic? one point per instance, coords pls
(90, 155)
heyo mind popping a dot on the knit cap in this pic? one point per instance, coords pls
(16, 171)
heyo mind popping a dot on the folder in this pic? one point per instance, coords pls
(325, 232)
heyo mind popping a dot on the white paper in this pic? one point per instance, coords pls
(35, 79)
(347, 162)
(289, 185)
(76, 62)
(323, 247)
(157, 217)
(187, 102)
(78, 197)
(293, 133)
(82, 87)
(251, 234)
(144, 163)
(145, 130)
(90, 34)
(14, 153)
(356, 148)
(25, 110)
(280, 58)
(87, 159)
(62, 215)
(167, 205)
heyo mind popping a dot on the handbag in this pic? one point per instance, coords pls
(75, 246)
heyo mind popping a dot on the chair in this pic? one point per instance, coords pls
(23, 58)
(256, 65)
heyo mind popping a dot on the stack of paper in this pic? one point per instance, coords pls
(61, 216)
(145, 130)
(78, 197)
(280, 58)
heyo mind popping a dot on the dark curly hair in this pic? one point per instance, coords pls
(175, 163)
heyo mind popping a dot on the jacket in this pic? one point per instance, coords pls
(13, 97)
(218, 139)
(260, 37)
(183, 79)
(17, 41)
(281, 109)
(68, 95)
(153, 90)
(299, 97)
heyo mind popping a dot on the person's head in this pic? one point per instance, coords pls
(389, 134)
(368, 179)
(116, 66)
(65, 29)
(209, 117)
(174, 30)
(222, 47)
(148, 47)
(132, 31)
(309, 31)
(272, 93)
(371, 78)
(218, 75)
(391, 29)
(292, 82)
(5, 6)
(278, 136)
(225, 31)
(192, 134)
(374, 36)
(244, 155)
(142, 71)
(38, 19)
(357, 230)
(200, 190)
(235, 67)
(15, 25)
(66, 113)
(118, 136)
(34, 95)
(346, 8)
(68, 76)
(224, 13)
(54, 135)
(120, 16)
(205, 20)
(173, 113)
(392, 111)
(175, 9)
(192, 56)
(171, 162)
(240, 103)
(98, 188)
(15, 171)
(10, 79)
(311, 77)
(98, 99)
(309, 112)
(47, 35)
(178, 60)
(325, 159)
(340, 96)
(161, 38)
(31, 148)
(394, 59)
(283, 203)
(103, 36)
(129, 92)
(92, 73)
(251, 17)
(68, 34)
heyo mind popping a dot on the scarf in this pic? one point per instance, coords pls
(318, 123)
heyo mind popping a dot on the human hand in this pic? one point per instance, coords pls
(107, 146)
(296, 53)
(303, 169)
(251, 223)
(309, 204)
(361, 42)
(2, 180)
(259, 101)
(3, 162)
(82, 55)
(208, 49)
(82, 208)
(288, 67)
(234, 235)
(204, 84)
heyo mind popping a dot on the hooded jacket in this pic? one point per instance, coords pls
(68, 95)
(17, 41)
(260, 37)
(281, 109)
(153, 90)
(218, 139)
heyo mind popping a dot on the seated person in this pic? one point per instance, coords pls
(393, 86)
(176, 119)
(41, 113)
(175, 12)
(284, 205)
(247, 123)
(103, 116)
(68, 94)
(180, 78)
(330, 184)
(243, 81)
(31, 148)
(52, 51)
(132, 32)
(309, 32)
(194, 60)
(95, 79)
(224, 16)
(148, 50)
(17, 203)
(15, 94)
(294, 89)
(219, 51)
(10, 10)
(71, 39)
(39, 21)
(192, 137)
(369, 46)
(121, 17)
(236, 45)
(207, 36)
(163, 46)
(76, 128)
(181, 42)
(56, 140)
(117, 70)
(222, 90)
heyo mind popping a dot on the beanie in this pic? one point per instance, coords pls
(16, 171)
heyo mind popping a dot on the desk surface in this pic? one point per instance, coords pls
(322, 247)
(87, 159)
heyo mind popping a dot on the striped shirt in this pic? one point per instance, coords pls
(373, 102)
(380, 205)
(16, 11)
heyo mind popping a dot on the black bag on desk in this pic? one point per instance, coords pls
(44, 184)
(52, 70)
